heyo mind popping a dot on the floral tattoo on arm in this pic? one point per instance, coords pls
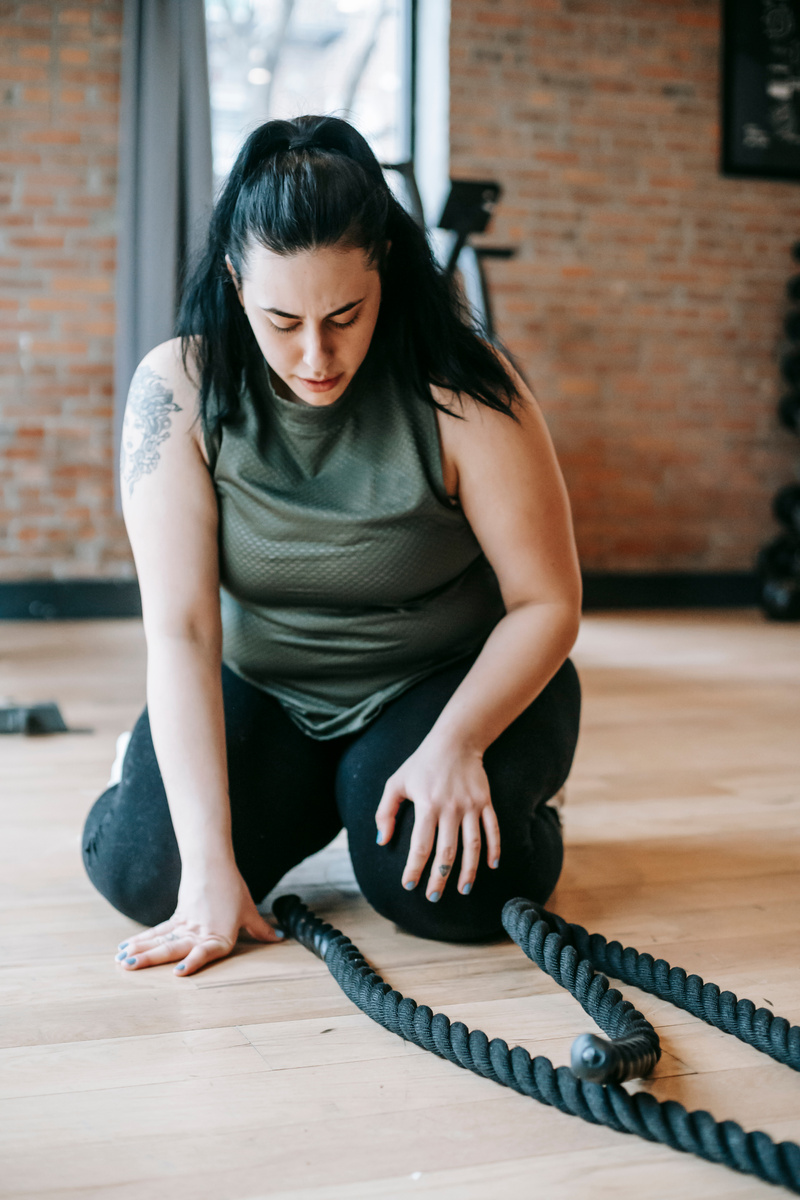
(146, 425)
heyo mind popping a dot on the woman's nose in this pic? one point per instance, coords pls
(316, 351)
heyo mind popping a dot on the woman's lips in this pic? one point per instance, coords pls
(323, 385)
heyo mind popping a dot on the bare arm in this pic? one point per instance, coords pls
(513, 495)
(170, 510)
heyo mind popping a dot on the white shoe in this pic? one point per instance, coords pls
(116, 766)
(559, 800)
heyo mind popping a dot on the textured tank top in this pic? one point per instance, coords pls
(347, 573)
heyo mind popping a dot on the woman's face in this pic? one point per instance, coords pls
(313, 314)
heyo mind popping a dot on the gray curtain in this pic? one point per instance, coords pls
(165, 177)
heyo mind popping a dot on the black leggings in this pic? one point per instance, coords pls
(290, 794)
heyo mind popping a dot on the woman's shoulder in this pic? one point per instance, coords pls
(486, 438)
(167, 359)
(172, 369)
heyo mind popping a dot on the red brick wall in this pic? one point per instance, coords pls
(646, 299)
(59, 88)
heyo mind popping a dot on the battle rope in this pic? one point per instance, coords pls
(591, 1089)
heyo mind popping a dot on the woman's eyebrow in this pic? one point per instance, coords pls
(293, 317)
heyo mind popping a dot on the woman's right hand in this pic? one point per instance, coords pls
(212, 908)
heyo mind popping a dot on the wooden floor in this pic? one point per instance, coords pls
(256, 1077)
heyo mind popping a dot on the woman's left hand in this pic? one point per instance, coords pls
(448, 787)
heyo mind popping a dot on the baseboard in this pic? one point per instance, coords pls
(87, 599)
(69, 599)
(711, 589)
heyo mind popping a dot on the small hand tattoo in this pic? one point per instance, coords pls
(147, 415)
(444, 869)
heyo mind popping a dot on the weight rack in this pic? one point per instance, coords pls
(778, 562)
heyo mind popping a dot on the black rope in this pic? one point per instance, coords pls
(592, 1088)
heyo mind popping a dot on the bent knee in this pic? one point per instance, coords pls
(453, 918)
(138, 883)
(476, 917)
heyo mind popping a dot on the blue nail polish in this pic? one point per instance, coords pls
(496, 863)
(379, 838)
(434, 896)
(467, 888)
(279, 933)
(120, 956)
(181, 966)
(122, 945)
(412, 883)
(130, 961)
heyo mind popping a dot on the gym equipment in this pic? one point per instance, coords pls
(789, 411)
(591, 1087)
(780, 599)
(790, 367)
(793, 288)
(32, 718)
(780, 558)
(467, 210)
(786, 506)
(778, 563)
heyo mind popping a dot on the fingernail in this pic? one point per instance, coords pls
(434, 896)
(412, 883)
(121, 955)
(181, 966)
(122, 945)
(466, 889)
(130, 961)
(379, 838)
(279, 933)
(496, 863)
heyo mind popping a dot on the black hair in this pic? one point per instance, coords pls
(314, 182)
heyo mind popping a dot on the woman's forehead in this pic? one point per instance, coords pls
(318, 276)
(319, 260)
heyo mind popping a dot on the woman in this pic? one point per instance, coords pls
(358, 573)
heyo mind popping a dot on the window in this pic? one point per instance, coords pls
(284, 58)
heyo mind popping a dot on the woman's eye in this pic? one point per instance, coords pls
(345, 324)
(336, 324)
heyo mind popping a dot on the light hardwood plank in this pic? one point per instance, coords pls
(258, 1078)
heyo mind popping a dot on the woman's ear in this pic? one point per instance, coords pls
(235, 279)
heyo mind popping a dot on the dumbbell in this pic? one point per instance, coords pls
(786, 506)
(780, 558)
(780, 599)
(789, 411)
(790, 367)
(778, 564)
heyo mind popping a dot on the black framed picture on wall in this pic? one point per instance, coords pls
(761, 88)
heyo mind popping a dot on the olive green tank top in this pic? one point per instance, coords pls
(347, 573)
